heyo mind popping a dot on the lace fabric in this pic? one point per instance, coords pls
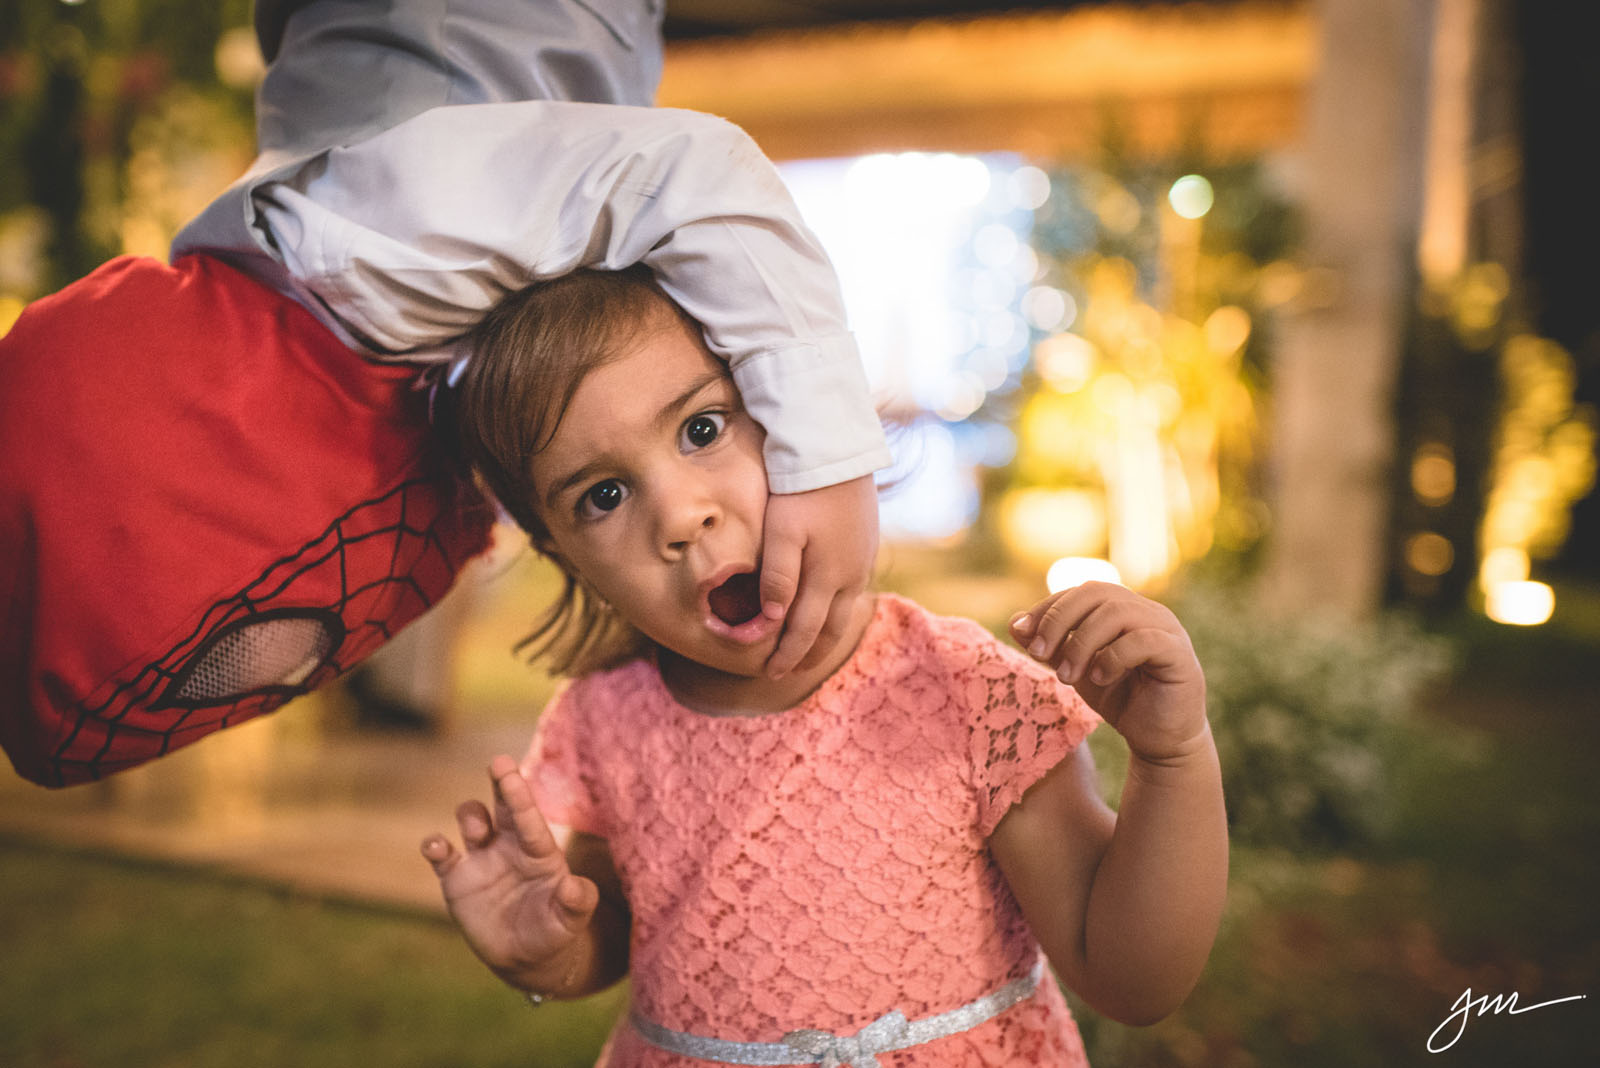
(820, 866)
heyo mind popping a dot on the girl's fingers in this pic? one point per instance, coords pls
(1066, 615)
(437, 851)
(1078, 624)
(577, 897)
(1147, 649)
(472, 820)
(518, 810)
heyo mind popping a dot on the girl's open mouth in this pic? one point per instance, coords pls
(738, 600)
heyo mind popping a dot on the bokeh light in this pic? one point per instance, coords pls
(1521, 604)
(1191, 196)
(1070, 571)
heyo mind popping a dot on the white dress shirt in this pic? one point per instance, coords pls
(423, 159)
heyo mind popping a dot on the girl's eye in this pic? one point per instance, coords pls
(701, 430)
(602, 497)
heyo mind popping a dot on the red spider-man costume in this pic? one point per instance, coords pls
(208, 505)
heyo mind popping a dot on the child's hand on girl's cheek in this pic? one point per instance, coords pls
(817, 557)
(1129, 657)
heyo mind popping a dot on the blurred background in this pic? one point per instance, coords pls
(1283, 311)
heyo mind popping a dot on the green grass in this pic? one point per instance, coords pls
(109, 963)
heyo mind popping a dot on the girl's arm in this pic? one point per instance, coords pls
(547, 923)
(1126, 905)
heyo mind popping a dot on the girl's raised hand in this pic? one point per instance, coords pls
(1129, 657)
(511, 891)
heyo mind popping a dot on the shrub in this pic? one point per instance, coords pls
(1308, 718)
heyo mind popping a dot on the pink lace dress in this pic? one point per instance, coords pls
(821, 866)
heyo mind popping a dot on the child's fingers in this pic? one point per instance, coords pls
(1132, 651)
(1057, 607)
(1156, 652)
(576, 898)
(805, 621)
(437, 851)
(1057, 617)
(519, 811)
(1022, 625)
(1081, 622)
(1090, 633)
(472, 820)
(780, 572)
(833, 628)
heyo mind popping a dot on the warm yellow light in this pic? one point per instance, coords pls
(1428, 553)
(1041, 525)
(1522, 604)
(10, 312)
(1070, 571)
(1117, 208)
(1502, 565)
(1191, 196)
(238, 58)
(1227, 329)
(1113, 394)
(1433, 474)
(1065, 361)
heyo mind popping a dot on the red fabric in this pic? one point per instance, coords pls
(184, 452)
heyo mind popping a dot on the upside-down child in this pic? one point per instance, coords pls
(422, 159)
(241, 501)
(867, 861)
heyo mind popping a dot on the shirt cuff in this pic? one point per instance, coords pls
(813, 402)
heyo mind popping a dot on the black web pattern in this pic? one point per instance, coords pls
(371, 571)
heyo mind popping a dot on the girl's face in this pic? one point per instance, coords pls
(653, 488)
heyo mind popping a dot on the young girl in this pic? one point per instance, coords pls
(860, 863)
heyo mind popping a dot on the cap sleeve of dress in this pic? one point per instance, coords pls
(1022, 720)
(558, 767)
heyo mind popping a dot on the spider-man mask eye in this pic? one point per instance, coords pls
(274, 652)
(207, 506)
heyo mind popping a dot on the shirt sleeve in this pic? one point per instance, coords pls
(1023, 721)
(406, 238)
(558, 769)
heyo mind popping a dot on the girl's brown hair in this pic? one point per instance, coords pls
(528, 356)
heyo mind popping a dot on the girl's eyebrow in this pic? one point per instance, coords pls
(667, 414)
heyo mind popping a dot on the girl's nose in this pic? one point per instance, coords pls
(691, 535)
(687, 512)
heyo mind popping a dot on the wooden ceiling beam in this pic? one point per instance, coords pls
(1230, 79)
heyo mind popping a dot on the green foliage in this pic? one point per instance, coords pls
(1310, 718)
(76, 82)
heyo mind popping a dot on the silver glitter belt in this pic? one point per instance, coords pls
(887, 1033)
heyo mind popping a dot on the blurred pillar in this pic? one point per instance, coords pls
(1334, 375)
(54, 151)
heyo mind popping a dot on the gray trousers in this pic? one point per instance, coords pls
(343, 70)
